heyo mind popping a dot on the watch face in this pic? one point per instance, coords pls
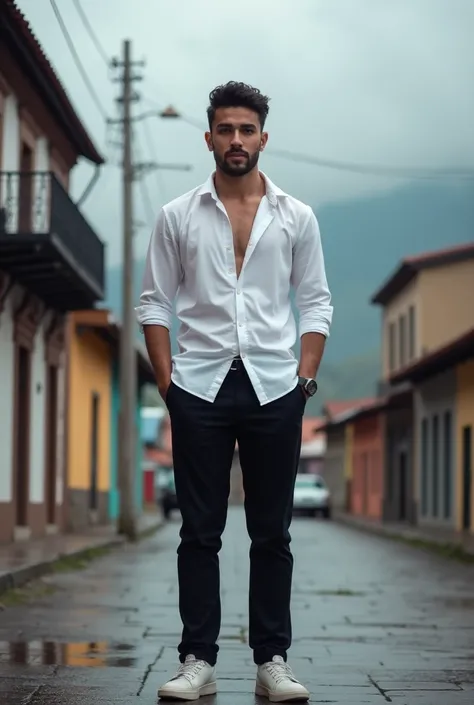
(311, 387)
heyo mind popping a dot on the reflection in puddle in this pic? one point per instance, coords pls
(95, 654)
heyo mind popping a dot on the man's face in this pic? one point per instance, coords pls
(236, 140)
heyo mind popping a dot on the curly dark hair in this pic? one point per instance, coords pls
(236, 94)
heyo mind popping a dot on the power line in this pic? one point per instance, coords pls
(374, 169)
(402, 172)
(95, 40)
(153, 153)
(77, 60)
(145, 194)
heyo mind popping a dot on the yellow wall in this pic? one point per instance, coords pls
(464, 417)
(447, 293)
(442, 299)
(90, 370)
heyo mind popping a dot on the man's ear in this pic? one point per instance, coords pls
(208, 138)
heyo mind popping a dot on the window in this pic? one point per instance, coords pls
(391, 346)
(411, 333)
(447, 452)
(435, 478)
(402, 340)
(424, 467)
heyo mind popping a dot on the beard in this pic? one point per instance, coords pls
(237, 168)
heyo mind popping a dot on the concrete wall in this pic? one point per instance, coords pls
(436, 477)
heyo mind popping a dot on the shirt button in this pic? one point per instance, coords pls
(243, 355)
(238, 291)
(240, 325)
(230, 270)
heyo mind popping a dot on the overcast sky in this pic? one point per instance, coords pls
(377, 81)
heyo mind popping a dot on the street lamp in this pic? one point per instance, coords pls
(169, 112)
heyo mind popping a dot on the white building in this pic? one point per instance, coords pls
(51, 262)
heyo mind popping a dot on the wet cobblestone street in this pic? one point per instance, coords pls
(374, 621)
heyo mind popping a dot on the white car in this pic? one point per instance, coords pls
(312, 496)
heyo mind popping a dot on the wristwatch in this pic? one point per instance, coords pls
(310, 386)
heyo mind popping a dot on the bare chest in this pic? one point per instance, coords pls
(241, 219)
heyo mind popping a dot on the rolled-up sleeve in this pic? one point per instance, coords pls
(313, 298)
(161, 278)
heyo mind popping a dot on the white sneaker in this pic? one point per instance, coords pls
(193, 679)
(275, 681)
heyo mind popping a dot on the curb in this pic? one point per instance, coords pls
(18, 577)
(410, 537)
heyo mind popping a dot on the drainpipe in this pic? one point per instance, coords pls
(90, 186)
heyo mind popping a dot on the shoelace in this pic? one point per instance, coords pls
(190, 670)
(280, 672)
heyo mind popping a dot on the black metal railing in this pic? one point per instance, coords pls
(37, 203)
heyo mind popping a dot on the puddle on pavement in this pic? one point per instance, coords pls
(94, 654)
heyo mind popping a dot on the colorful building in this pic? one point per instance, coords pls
(338, 460)
(426, 303)
(93, 419)
(444, 422)
(313, 446)
(51, 262)
(368, 448)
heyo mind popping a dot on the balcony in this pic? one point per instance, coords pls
(46, 244)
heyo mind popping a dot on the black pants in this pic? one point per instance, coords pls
(269, 438)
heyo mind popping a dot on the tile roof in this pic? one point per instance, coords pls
(436, 361)
(337, 407)
(410, 266)
(77, 132)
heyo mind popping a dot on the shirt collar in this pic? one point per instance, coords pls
(272, 191)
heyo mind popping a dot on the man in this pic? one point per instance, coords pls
(229, 251)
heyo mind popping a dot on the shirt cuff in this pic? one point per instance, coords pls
(153, 315)
(314, 325)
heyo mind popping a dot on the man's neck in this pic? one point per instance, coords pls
(239, 188)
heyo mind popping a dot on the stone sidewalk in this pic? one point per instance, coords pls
(374, 621)
(26, 560)
(451, 541)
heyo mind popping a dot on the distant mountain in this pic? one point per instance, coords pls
(363, 241)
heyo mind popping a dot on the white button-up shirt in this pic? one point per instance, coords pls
(191, 260)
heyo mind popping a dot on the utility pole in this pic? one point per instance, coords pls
(131, 171)
(128, 363)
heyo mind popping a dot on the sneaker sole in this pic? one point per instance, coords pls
(279, 697)
(169, 694)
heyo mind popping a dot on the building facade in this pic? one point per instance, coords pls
(435, 424)
(51, 262)
(464, 434)
(334, 466)
(338, 457)
(93, 438)
(367, 464)
(420, 446)
(400, 491)
(89, 418)
(444, 420)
